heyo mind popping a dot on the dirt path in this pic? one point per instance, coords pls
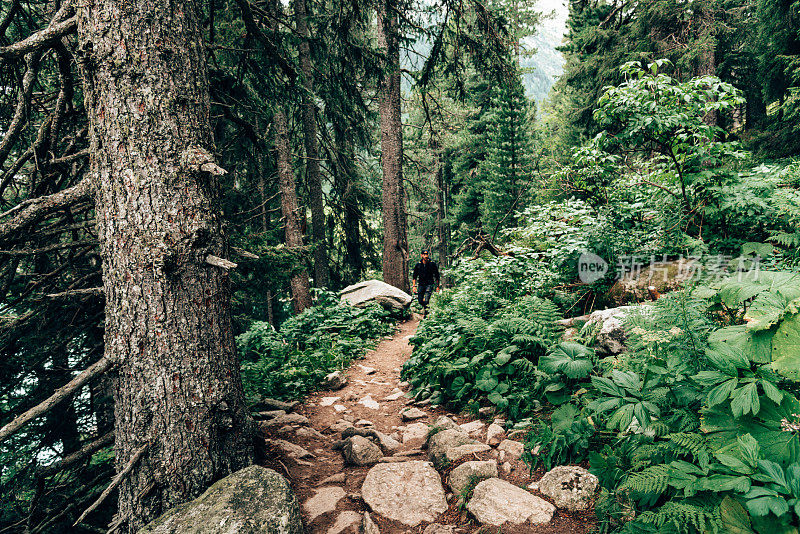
(372, 398)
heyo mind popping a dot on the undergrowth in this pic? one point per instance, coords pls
(292, 362)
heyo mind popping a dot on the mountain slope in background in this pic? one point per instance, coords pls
(548, 63)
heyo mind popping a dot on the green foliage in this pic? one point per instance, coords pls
(292, 362)
(483, 339)
(566, 439)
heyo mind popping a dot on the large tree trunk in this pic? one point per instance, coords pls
(395, 241)
(167, 309)
(321, 274)
(301, 298)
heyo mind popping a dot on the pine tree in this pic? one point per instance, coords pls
(508, 167)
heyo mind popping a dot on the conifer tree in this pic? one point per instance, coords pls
(509, 163)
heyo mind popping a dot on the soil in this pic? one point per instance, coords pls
(387, 360)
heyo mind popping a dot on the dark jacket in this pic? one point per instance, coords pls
(426, 273)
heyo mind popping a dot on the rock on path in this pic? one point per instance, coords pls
(408, 492)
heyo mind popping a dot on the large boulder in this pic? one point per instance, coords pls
(254, 500)
(408, 492)
(364, 293)
(496, 501)
(570, 487)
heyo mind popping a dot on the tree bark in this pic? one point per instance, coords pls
(301, 299)
(395, 240)
(321, 273)
(168, 323)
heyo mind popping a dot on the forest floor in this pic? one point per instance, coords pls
(376, 377)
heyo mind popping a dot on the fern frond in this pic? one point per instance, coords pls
(684, 517)
(694, 445)
(652, 481)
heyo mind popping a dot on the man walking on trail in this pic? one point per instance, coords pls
(426, 272)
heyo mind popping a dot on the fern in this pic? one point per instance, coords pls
(694, 445)
(651, 482)
(685, 517)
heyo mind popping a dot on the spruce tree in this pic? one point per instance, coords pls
(507, 170)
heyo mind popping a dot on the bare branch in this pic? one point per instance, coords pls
(82, 293)
(115, 482)
(29, 212)
(222, 263)
(23, 104)
(61, 394)
(86, 451)
(39, 40)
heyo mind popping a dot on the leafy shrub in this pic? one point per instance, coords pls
(290, 363)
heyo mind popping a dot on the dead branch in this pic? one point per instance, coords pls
(222, 263)
(19, 119)
(29, 212)
(39, 40)
(61, 394)
(84, 452)
(81, 293)
(115, 482)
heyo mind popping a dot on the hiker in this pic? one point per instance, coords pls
(426, 271)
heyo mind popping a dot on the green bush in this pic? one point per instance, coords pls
(292, 362)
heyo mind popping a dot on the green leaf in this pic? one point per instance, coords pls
(755, 345)
(734, 517)
(775, 473)
(786, 348)
(604, 385)
(771, 391)
(722, 392)
(745, 400)
(710, 378)
(502, 358)
(727, 358)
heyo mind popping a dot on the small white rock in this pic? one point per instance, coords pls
(328, 401)
(367, 370)
(370, 403)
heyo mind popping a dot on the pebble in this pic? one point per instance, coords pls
(364, 423)
(394, 395)
(339, 408)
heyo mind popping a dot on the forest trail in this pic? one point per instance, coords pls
(329, 490)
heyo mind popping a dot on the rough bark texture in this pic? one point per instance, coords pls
(321, 273)
(301, 298)
(167, 310)
(395, 240)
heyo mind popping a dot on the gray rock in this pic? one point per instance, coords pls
(323, 501)
(269, 414)
(285, 419)
(394, 395)
(412, 414)
(441, 442)
(494, 434)
(409, 492)
(496, 501)
(444, 423)
(272, 404)
(367, 370)
(368, 526)
(364, 293)
(254, 500)
(358, 450)
(513, 449)
(291, 450)
(310, 433)
(455, 453)
(473, 428)
(415, 434)
(436, 528)
(570, 487)
(347, 522)
(607, 326)
(334, 380)
(486, 411)
(471, 472)
(387, 443)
